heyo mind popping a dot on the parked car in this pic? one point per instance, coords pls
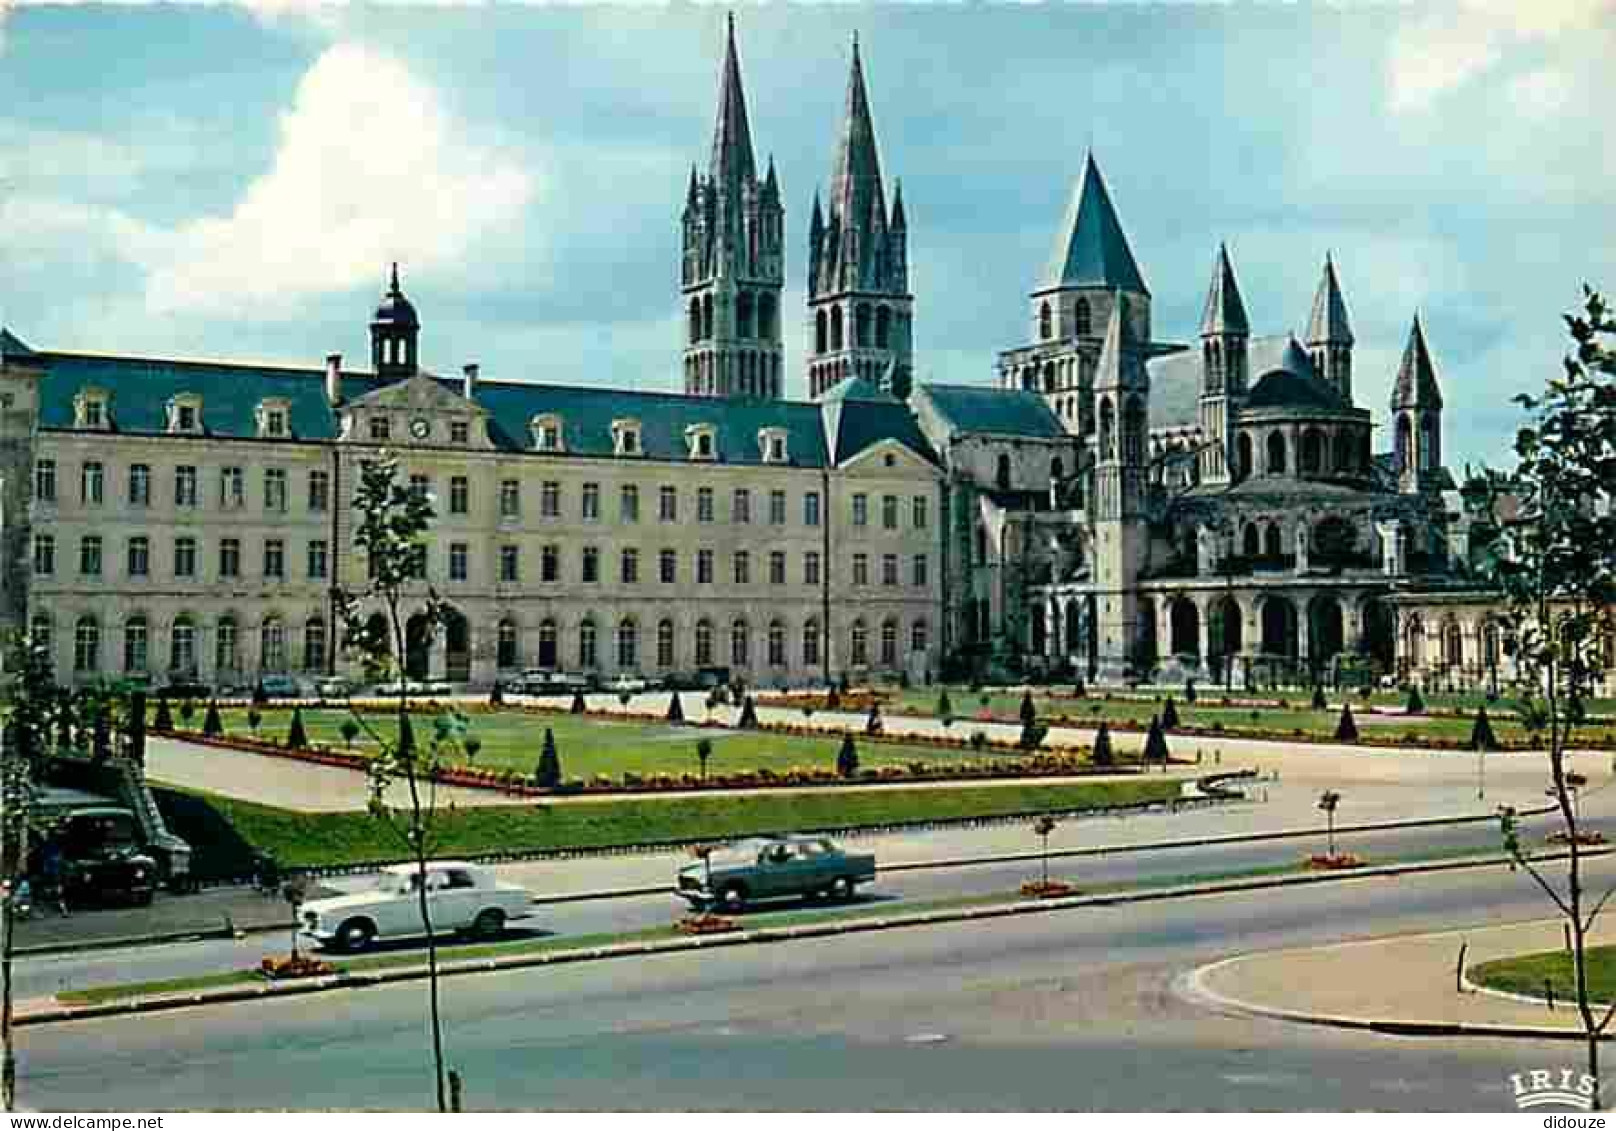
(103, 859)
(633, 684)
(281, 687)
(333, 687)
(461, 897)
(534, 681)
(416, 687)
(185, 687)
(773, 868)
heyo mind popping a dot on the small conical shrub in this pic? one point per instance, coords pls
(164, 720)
(676, 709)
(873, 724)
(1319, 703)
(212, 724)
(1032, 735)
(833, 699)
(1416, 701)
(1079, 689)
(847, 759)
(1028, 712)
(260, 697)
(1156, 743)
(1346, 730)
(748, 719)
(547, 775)
(1103, 755)
(296, 737)
(350, 731)
(1189, 691)
(578, 704)
(1481, 733)
(496, 697)
(1169, 715)
(945, 708)
(187, 711)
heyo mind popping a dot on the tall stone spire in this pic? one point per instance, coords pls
(1416, 385)
(1225, 311)
(1417, 417)
(857, 176)
(731, 163)
(1329, 333)
(1090, 248)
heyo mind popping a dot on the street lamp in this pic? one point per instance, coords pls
(1328, 800)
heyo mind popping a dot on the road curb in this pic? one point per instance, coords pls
(644, 948)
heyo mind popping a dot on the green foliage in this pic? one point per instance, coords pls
(1482, 737)
(945, 708)
(578, 705)
(548, 773)
(704, 753)
(296, 737)
(833, 699)
(979, 740)
(1319, 702)
(187, 711)
(254, 718)
(1169, 715)
(212, 724)
(873, 724)
(847, 759)
(1156, 742)
(1028, 712)
(1032, 735)
(163, 721)
(260, 697)
(748, 719)
(676, 710)
(1346, 730)
(1189, 691)
(1103, 754)
(1416, 701)
(496, 696)
(350, 731)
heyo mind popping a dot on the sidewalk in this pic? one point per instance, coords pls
(204, 912)
(1407, 981)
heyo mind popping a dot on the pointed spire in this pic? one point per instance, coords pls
(1416, 385)
(816, 221)
(690, 194)
(1091, 249)
(731, 162)
(899, 222)
(771, 183)
(857, 174)
(1225, 312)
(1329, 325)
(393, 290)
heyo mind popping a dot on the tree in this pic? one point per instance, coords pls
(833, 699)
(260, 697)
(1416, 701)
(496, 695)
(1032, 735)
(578, 704)
(873, 724)
(1042, 828)
(676, 710)
(296, 737)
(212, 724)
(1553, 559)
(748, 719)
(1028, 712)
(187, 711)
(547, 775)
(30, 707)
(1156, 743)
(704, 752)
(1319, 702)
(1482, 737)
(847, 759)
(1189, 691)
(1169, 715)
(350, 731)
(1346, 730)
(255, 717)
(163, 723)
(1328, 800)
(393, 524)
(1103, 754)
(945, 709)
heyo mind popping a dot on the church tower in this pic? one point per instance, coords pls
(859, 307)
(1416, 416)
(734, 260)
(1120, 534)
(1329, 334)
(1225, 332)
(395, 333)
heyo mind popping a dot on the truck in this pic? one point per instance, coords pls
(461, 897)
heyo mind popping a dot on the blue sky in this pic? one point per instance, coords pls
(231, 181)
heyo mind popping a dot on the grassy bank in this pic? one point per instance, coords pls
(1529, 973)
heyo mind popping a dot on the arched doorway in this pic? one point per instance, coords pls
(1378, 642)
(456, 647)
(417, 647)
(1186, 627)
(1326, 638)
(1073, 617)
(1226, 634)
(1145, 645)
(1279, 627)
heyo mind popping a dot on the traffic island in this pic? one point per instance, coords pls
(1333, 862)
(1047, 889)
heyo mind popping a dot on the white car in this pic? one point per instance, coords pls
(460, 897)
(633, 684)
(422, 688)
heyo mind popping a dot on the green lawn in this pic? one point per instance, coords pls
(1526, 974)
(314, 839)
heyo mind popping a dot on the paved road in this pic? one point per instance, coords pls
(42, 976)
(1076, 1009)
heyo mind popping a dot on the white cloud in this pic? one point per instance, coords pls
(369, 168)
(1450, 45)
(1541, 93)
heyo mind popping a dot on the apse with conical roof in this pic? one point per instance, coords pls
(734, 256)
(1329, 332)
(859, 306)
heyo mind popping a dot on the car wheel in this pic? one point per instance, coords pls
(733, 897)
(841, 889)
(489, 924)
(355, 934)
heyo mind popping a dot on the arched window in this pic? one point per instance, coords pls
(1080, 318)
(1242, 458)
(314, 645)
(1273, 542)
(861, 645)
(1276, 453)
(1453, 644)
(704, 644)
(135, 639)
(695, 319)
(1428, 443)
(1414, 641)
(918, 640)
(588, 653)
(743, 315)
(628, 645)
(39, 633)
(820, 338)
(835, 328)
(883, 327)
(664, 644)
(508, 654)
(1343, 450)
(1251, 545)
(272, 645)
(1133, 432)
(889, 644)
(777, 644)
(1049, 376)
(981, 545)
(1405, 444)
(1312, 458)
(862, 322)
(740, 645)
(1001, 475)
(707, 316)
(810, 643)
(548, 652)
(86, 645)
(1108, 429)
(226, 649)
(765, 317)
(182, 646)
(1046, 323)
(1491, 644)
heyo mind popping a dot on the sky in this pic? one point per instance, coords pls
(232, 180)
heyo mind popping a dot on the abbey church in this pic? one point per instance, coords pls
(1110, 502)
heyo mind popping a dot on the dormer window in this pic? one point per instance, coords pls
(274, 418)
(92, 408)
(772, 445)
(185, 413)
(626, 438)
(702, 441)
(381, 429)
(547, 433)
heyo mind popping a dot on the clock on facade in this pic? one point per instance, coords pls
(420, 427)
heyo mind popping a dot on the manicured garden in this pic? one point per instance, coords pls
(1528, 974)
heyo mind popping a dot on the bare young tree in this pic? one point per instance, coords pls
(1554, 560)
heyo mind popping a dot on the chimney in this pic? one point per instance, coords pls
(333, 378)
(469, 385)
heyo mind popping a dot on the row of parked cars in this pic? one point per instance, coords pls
(544, 681)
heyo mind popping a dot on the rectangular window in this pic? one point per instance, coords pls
(139, 485)
(420, 486)
(459, 564)
(459, 432)
(90, 555)
(44, 555)
(550, 563)
(668, 504)
(591, 573)
(741, 507)
(319, 491)
(380, 428)
(631, 567)
(510, 498)
(232, 488)
(459, 495)
(889, 569)
(668, 567)
(810, 509)
(777, 508)
(550, 499)
(185, 557)
(45, 481)
(810, 568)
(591, 502)
(230, 557)
(185, 417)
(920, 570)
(94, 414)
(861, 569)
(510, 563)
(317, 560)
(139, 556)
(274, 558)
(92, 484)
(918, 515)
(275, 490)
(704, 504)
(743, 568)
(185, 486)
(889, 512)
(704, 567)
(777, 567)
(861, 509)
(629, 503)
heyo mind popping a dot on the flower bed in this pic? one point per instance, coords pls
(1047, 889)
(1585, 838)
(1341, 861)
(280, 967)
(705, 924)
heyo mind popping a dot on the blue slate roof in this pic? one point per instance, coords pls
(1005, 412)
(1091, 249)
